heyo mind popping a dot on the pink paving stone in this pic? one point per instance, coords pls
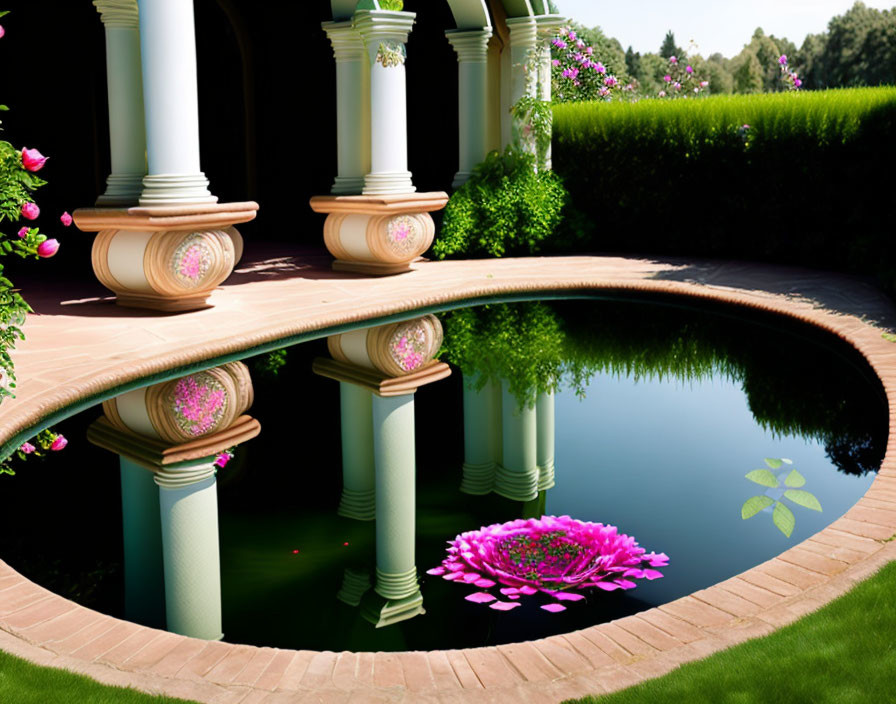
(186, 649)
(627, 640)
(43, 610)
(365, 669)
(877, 516)
(233, 663)
(860, 528)
(760, 596)
(674, 626)
(726, 601)
(415, 667)
(766, 581)
(20, 596)
(94, 647)
(788, 572)
(463, 670)
(257, 665)
(491, 668)
(651, 635)
(442, 673)
(275, 670)
(344, 671)
(295, 671)
(529, 662)
(696, 612)
(840, 553)
(617, 677)
(154, 651)
(128, 647)
(588, 650)
(60, 627)
(837, 539)
(387, 670)
(94, 629)
(563, 656)
(813, 561)
(200, 664)
(602, 641)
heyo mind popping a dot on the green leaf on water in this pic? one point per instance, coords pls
(762, 476)
(803, 498)
(783, 518)
(773, 463)
(794, 479)
(753, 506)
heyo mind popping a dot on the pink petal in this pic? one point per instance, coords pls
(452, 576)
(607, 586)
(527, 590)
(568, 596)
(480, 597)
(506, 591)
(653, 574)
(484, 583)
(625, 583)
(503, 605)
(636, 573)
(471, 577)
(554, 608)
(436, 571)
(513, 596)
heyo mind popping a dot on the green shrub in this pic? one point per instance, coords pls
(506, 208)
(803, 184)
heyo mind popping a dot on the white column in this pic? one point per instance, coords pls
(482, 435)
(548, 27)
(168, 41)
(352, 107)
(472, 98)
(517, 476)
(385, 35)
(188, 503)
(144, 583)
(523, 40)
(127, 134)
(544, 421)
(358, 472)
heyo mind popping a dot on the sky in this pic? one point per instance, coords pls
(715, 25)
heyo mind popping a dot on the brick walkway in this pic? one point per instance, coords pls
(79, 346)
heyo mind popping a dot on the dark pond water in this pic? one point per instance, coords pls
(660, 412)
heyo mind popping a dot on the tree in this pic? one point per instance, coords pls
(633, 62)
(669, 49)
(747, 73)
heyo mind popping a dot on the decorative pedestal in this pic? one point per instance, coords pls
(175, 430)
(378, 235)
(391, 362)
(167, 258)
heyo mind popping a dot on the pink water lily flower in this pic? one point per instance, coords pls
(2, 31)
(32, 159)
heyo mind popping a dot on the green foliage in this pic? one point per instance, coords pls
(41, 448)
(393, 5)
(679, 178)
(669, 49)
(506, 208)
(269, 364)
(588, 83)
(782, 516)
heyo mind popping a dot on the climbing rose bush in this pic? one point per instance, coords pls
(554, 555)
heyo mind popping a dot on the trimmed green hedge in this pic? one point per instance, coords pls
(810, 182)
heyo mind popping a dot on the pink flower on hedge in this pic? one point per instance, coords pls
(673, 59)
(23, 233)
(704, 84)
(222, 460)
(667, 78)
(662, 94)
(552, 555)
(47, 249)
(783, 60)
(600, 68)
(65, 219)
(610, 81)
(27, 448)
(59, 442)
(30, 211)
(690, 69)
(32, 159)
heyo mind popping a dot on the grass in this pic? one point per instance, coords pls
(843, 653)
(24, 683)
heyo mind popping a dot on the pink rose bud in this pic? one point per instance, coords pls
(47, 249)
(673, 60)
(23, 233)
(30, 211)
(2, 31)
(27, 448)
(690, 69)
(32, 159)
(60, 441)
(66, 219)
(667, 78)
(222, 460)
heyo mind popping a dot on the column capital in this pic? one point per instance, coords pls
(523, 31)
(186, 474)
(384, 25)
(119, 14)
(548, 25)
(346, 40)
(471, 45)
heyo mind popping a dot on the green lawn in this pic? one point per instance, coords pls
(843, 653)
(24, 683)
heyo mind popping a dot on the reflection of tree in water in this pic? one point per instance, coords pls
(798, 380)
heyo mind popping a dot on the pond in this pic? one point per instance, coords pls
(660, 410)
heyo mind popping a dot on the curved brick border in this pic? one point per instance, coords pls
(88, 348)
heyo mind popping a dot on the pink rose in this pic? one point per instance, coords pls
(27, 448)
(32, 159)
(673, 60)
(47, 249)
(66, 219)
(667, 78)
(222, 459)
(2, 31)
(23, 233)
(30, 211)
(60, 440)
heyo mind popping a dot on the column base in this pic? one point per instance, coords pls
(388, 183)
(478, 479)
(378, 235)
(358, 505)
(176, 189)
(347, 186)
(396, 585)
(355, 584)
(165, 258)
(516, 486)
(385, 612)
(122, 190)
(546, 476)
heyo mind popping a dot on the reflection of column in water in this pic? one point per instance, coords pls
(358, 488)
(517, 476)
(482, 435)
(544, 419)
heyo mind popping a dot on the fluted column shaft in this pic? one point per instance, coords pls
(352, 107)
(188, 502)
(127, 133)
(358, 470)
(523, 82)
(482, 435)
(168, 41)
(544, 421)
(517, 476)
(472, 93)
(385, 35)
(548, 26)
